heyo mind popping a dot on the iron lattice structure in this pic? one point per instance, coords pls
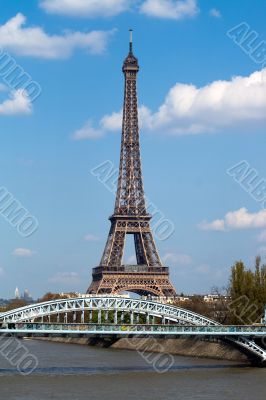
(186, 322)
(130, 215)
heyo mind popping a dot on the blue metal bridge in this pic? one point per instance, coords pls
(160, 320)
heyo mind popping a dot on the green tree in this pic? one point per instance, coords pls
(247, 289)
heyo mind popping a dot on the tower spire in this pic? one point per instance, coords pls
(130, 40)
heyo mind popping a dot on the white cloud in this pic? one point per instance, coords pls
(240, 219)
(91, 238)
(87, 132)
(221, 104)
(217, 225)
(172, 9)
(23, 253)
(112, 122)
(18, 103)
(86, 8)
(176, 258)
(262, 237)
(34, 41)
(214, 12)
(239, 103)
(65, 278)
(1, 271)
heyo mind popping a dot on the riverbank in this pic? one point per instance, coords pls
(192, 347)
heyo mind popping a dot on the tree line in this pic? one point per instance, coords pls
(242, 302)
(247, 290)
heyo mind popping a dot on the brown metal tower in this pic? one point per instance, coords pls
(130, 216)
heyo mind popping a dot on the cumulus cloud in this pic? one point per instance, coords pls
(220, 104)
(87, 132)
(240, 219)
(171, 9)
(23, 253)
(1, 271)
(35, 42)
(216, 225)
(86, 8)
(214, 12)
(91, 238)
(112, 122)
(187, 109)
(177, 258)
(18, 103)
(65, 278)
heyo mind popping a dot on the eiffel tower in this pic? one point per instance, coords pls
(130, 215)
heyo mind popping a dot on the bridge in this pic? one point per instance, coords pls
(121, 330)
(158, 320)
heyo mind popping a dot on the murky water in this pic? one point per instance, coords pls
(67, 371)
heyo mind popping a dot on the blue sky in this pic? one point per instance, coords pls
(202, 105)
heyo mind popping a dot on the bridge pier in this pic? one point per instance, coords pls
(115, 317)
(106, 316)
(90, 316)
(99, 316)
(147, 318)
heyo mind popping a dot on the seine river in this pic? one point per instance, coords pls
(67, 371)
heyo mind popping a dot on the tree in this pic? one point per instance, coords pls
(247, 289)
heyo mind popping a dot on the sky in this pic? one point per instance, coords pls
(202, 102)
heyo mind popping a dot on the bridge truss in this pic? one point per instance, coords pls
(133, 308)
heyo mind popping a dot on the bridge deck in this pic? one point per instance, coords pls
(124, 329)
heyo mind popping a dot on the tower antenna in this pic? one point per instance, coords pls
(130, 40)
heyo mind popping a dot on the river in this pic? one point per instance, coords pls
(76, 372)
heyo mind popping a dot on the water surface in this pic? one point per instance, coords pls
(67, 371)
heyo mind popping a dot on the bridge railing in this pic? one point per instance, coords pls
(174, 329)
